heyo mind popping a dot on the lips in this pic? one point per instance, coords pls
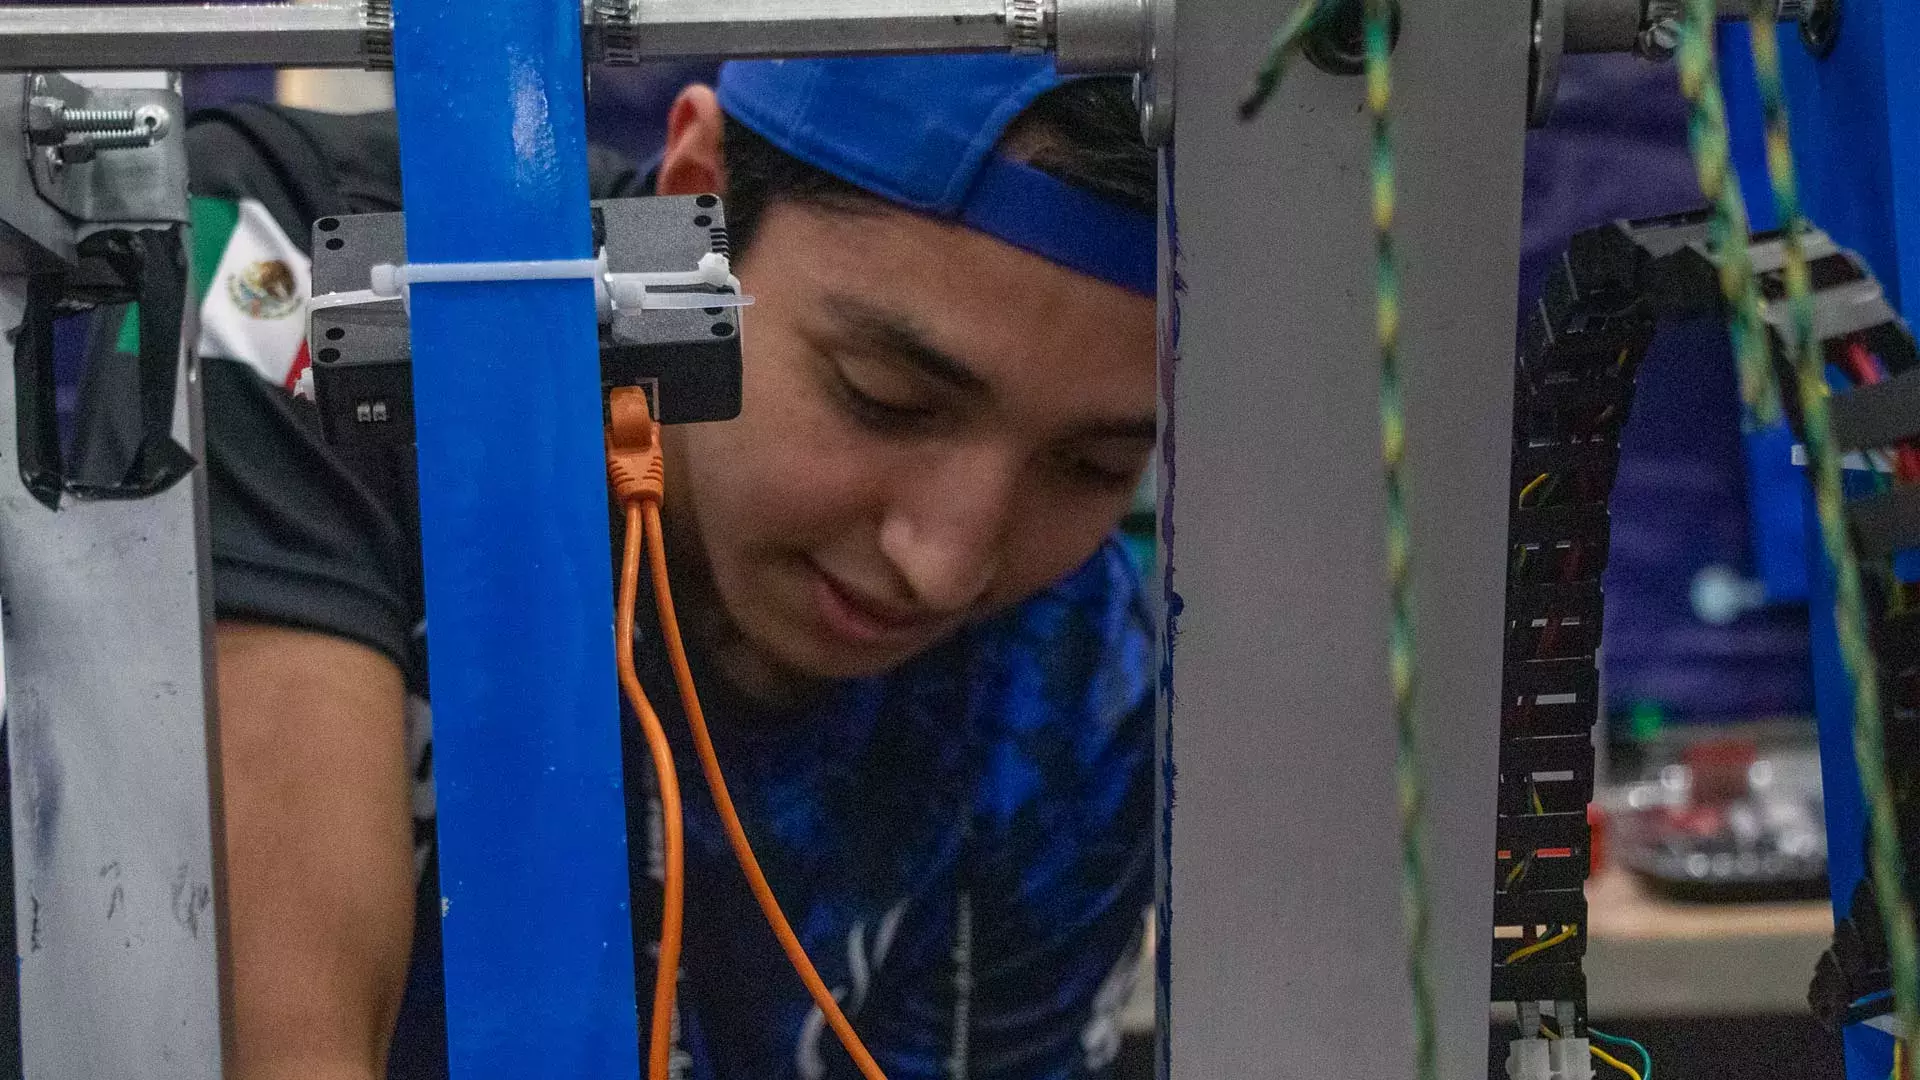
(850, 614)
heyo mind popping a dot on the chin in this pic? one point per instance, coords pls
(817, 659)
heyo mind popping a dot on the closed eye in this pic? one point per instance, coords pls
(880, 414)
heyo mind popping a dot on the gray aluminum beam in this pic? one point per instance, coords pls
(1286, 950)
(356, 35)
(109, 728)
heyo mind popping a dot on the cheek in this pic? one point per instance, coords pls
(1056, 537)
(783, 477)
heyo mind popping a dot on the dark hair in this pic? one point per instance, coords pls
(1085, 132)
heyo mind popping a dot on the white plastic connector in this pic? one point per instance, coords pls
(1536, 1058)
(1571, 1059)
(1527, 1059)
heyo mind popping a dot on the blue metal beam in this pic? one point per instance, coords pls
(532, 818)
(1856, 142)
(1856, 136)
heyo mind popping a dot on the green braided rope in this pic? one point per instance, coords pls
(1413, 882)
(1280, 50)
(1850, 616)
(1415, 904)
(1727, 230)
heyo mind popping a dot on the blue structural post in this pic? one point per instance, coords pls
(1856, 141)
(1856, 134)
(513, 506)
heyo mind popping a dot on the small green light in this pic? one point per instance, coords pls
(1646, 720)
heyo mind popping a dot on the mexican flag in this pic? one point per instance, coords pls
(252, 284)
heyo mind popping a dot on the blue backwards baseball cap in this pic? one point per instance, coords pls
(921, 132)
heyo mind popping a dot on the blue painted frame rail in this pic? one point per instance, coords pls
(1856, 142)
(515, 537)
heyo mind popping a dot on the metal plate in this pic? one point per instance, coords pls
(108, 726)
(1287, 957)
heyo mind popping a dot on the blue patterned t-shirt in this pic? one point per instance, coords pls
(964, 846)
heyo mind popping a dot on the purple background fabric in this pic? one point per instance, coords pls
(1617, 147)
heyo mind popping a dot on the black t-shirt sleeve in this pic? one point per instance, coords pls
(299, 538)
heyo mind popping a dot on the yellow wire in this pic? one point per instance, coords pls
(1532, 486)
(1544, 943)
(1520, 865)
(1613, 1061)
(1899, 1048)
(1621, 1065)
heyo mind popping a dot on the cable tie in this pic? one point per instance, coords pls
(635, 290)
(613, 292)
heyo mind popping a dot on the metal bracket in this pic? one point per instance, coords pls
(106, 155)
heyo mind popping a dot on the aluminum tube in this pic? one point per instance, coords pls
(1102, 35)
(766, 28)
(341, 35)
(178, 36)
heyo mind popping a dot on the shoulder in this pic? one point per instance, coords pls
(298, 165)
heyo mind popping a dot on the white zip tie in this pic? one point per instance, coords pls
(635, 290)
(612, 292)
(390, 280)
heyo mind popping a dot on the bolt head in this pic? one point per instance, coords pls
(45, 124)
(1660, 40)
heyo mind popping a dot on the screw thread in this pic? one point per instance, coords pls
(1027, 26)
(377, 38)
(619, 41)
(118, 140)
(99, 119)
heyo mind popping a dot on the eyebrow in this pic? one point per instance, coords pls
(898, 338)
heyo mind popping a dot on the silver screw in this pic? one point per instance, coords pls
(1659, 40)
(150, 124)
(99, 119)
(50, 123)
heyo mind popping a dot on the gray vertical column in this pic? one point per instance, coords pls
(109, 729)
(1287, 944)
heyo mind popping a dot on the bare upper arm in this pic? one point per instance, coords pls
(320, 883)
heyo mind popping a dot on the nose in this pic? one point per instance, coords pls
(945, 530)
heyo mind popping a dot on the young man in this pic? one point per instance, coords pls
(926, 663)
